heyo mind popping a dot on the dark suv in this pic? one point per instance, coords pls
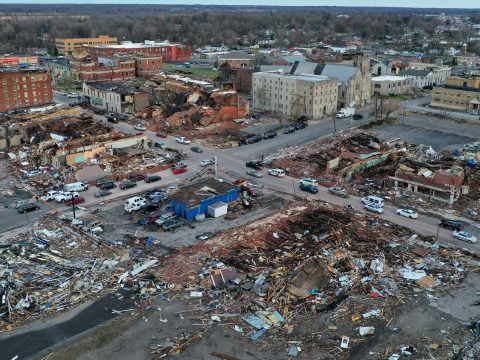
(451, 224)
(269, 134)
(27, 207)
(136, 176)
(254, 164)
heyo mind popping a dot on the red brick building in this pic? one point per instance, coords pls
(168, 52)
(21, 88)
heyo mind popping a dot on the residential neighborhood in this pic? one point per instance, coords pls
(239, 182)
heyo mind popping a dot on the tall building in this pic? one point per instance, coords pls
(68, 47)
(21, 88)
(458, 93)
(168, 51)
(279, 92)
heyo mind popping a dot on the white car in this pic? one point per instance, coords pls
(136, 207)
(72, 95)
(207, 162)
(182, 140)
(408, 213)
(373, 208)
(276, 172)
(64, 196)
(140, 127)
(49, 196)
(465, 236)
(308, 181)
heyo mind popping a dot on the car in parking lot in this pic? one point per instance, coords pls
(165, 217)
(182, 140)
(207, 162)
(24, 208)
(373, 208)
(102, 193)
(179, 165)
(177, 171)
(108, 185)
(64, 196)
(161, 135)
(196, 149)
(155, 215)
(158, 199)
(308, 187)
(254, 164)
(50, 195)
(451, 224)
(269, 134)
(153, 178)
(139, 127)
(75, 201)
(160, 144)
(172, 224)
(408, 213)
(136, 176)
(127, 184)
(289, 129)
(465, 236)
(254, 173)
(276, 172)
(339, 191)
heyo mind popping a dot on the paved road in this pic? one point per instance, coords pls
(60, 98)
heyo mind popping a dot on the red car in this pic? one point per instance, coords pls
(155, 215)
(75, 201)
(135, 176)
(179, 170)
(162, 135)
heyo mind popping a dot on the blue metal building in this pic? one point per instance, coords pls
(194, 199)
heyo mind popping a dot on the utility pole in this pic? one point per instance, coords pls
(334, 124)
(216, 167)
(73, 206)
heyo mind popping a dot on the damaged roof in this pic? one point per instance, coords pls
(193, 194)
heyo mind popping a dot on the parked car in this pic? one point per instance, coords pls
(309, 187)
(154, 194)
(373, 208)
(64, 196)
(254, 164)
(75, 201)
(24, 208)
(308, 181)
(300, 125)
(465, 236)
(173, 224)
(451, 224)
(155, 215)
(154, 190)
(177, 171)
(276, 172)
(99, 182)
(196, 149)
(127, 184)
(255, 116)
(408, 213)
(158, 199)
(108, 185)
(269, 134)
(182, 140)
(160, 144)
(162, 135)
(102, 193)
(147, 208)
(339, 191)
(99, 111)
(252, 139)
(165, 218)
(357, 116)
(179, 165)
(254, 173)
(207, 162)
(50, 195)
(136, 176)
(289, 129)
(72, 95)
(123, 117)
(153, 178)
(139, 127)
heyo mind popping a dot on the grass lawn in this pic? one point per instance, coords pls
(204, 72)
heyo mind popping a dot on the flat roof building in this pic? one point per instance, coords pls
(68, 47)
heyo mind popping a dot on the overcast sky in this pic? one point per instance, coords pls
(387, 3)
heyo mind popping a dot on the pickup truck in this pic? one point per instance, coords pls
(339, 191)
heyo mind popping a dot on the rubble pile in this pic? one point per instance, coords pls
(56, 266)
(270, 276)
(348, 147)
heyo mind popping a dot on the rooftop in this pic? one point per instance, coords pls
(304, 77)
(116, 87)
(193, 194)
(388, 78)
(413, 72)
(19, 69)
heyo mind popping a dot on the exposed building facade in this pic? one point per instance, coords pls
(115, 97)
(22, 88)
(237, 60)
(165, 50)
(440, 73)
(420, 78)
(391, 85)
(68, 47)
(314, 96)
(458, 94)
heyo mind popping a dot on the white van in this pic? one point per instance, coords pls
(76, 186)
(370, 199)
(134, 203)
